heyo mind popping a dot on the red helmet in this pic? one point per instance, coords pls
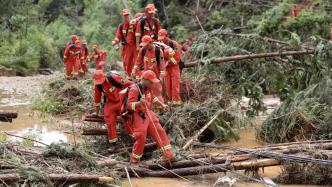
(98, 77)
(146, 40)
(150, 75)
(77, 43)
(74, 38)
(162, 34)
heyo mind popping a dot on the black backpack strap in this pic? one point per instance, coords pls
(171, 44)
(112, 81)
(157, 53)
(101, 89)
(142, 24)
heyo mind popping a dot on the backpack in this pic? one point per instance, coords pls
(181, 63)
(157, 53)
(155, 23)
(110, 79)
(125, 113)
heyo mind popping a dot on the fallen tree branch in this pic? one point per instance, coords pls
(246, 57)
(62, 178)
(6, 133)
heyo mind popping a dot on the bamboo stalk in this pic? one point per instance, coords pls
(246, 57)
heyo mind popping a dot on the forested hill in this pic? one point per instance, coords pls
(34, 32)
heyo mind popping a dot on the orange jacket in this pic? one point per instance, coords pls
(110, 91)
(72, 54)
(133, 98)
(98, 55)
(177, 54)
(149, 62)
(150, 27)
(126, 31)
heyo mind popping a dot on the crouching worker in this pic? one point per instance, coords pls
(145, 122)
(109, 85)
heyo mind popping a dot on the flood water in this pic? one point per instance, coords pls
(28, 124)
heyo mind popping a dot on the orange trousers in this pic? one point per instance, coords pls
(129, 55)
(142, 128)
(111, 111)
(172, 82)
(72, 68)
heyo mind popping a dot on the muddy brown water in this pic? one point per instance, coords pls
(28, 124)
(14, 97)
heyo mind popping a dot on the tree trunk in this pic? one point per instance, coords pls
(7, 116)
(251, 164)
(94, 131)
(247, 57)
(63, 178)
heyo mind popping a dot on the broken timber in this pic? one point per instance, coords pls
(249, 57)
(7, 116)
(62, 178)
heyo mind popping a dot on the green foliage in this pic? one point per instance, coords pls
(273, 17)
(61, 96)
(69, 152)
(308, 23)
(306, 116)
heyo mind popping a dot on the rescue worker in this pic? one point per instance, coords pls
(109, 86)
(145, 121)
(150, 57)
(99, 56)
(126, 35)
(84, 57)
(73, 39)
(295, 10)
(147, 26)
(173, 78)
(72, 57)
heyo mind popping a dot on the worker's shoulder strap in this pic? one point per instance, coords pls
(140, 88)
(157, 53)
(121, 28)
(110, 79)
(143, 20)
(100, 88)
(171, 44)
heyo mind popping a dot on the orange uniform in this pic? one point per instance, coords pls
(85, 53)
(295, 10)
(100, 57)
(148, 26)
(149, 60)
(72, 57)
(126, 34)
(146, 123)
(173, 77)
(110, 89)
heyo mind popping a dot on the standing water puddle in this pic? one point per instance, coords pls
(27, 124)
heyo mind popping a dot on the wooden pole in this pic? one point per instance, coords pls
(63, 178)
(250, 164)
(192, 139)
(246, 57)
